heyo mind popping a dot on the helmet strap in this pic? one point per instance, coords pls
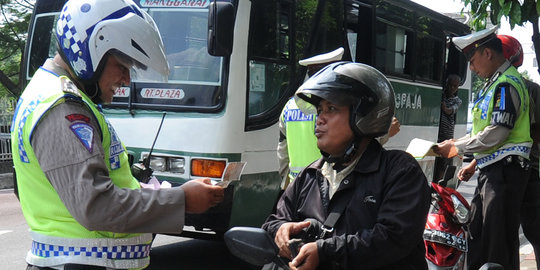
(93, 91)
(341, 161)
(352, 121)
(91, 87)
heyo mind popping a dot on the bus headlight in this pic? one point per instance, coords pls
(167, 164)
(158, 164)
(176, 165)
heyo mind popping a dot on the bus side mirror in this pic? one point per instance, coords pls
(220, 28)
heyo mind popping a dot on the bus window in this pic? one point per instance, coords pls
(359, 32)
(43, 44)
(273, 53)
(429, 67)
(392, 49)
(329, 34)
(456, 62)
(263, 76)
(429, 49)
(269, 54)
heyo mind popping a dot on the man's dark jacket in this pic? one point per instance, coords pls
(383, 223)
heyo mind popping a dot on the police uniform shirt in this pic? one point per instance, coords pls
(81, 178)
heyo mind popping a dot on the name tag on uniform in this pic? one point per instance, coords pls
(297, 115)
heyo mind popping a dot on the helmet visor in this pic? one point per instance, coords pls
(142, 73)
(138, 71)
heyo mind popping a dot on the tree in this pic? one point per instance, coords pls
(518, 12)
(15, 16)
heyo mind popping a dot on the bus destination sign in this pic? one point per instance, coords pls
(175, 3)
(160, 93)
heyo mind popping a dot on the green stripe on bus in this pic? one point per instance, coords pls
(418, 105)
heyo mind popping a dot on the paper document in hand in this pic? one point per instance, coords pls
(420, 148)
(231, 173)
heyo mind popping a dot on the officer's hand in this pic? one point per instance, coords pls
(283, 235)
(307, 258)
(201, 194)
(467, 172)
(446, 149)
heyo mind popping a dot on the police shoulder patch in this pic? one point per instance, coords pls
(85, 134)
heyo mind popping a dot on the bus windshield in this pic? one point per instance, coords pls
(195, 78)
(184, 35)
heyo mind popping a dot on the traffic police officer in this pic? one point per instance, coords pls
(501, 143)
(84, 208)
(297, 146)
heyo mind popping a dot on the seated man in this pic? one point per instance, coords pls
(373, 202)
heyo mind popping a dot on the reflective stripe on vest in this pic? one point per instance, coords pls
(107, 252)
(43, 209)
(518, 141)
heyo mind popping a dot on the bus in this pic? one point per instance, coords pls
(234, 65)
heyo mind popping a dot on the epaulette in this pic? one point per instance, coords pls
(69, 87)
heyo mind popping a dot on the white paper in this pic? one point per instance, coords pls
(420, 148)
(153, 183)
(232, 172)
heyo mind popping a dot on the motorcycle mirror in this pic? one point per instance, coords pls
(252, 245)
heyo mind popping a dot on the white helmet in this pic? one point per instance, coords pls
(89, 29)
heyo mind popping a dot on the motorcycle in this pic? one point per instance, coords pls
(444, 233)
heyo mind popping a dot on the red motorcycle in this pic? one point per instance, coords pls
(444, 234)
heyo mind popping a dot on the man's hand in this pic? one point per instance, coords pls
(201, 194)
(394, 127)
(308, 258)
(446, 149)
(467, 172)
(283, 235)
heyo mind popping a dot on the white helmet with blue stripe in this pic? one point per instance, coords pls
(88, 30)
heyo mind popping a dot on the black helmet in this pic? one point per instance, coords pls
(364, 88)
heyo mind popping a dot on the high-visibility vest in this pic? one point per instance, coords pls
(519, 140)
(301, 141)
(57, 237)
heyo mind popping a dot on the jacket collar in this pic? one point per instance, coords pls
(371, 158)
